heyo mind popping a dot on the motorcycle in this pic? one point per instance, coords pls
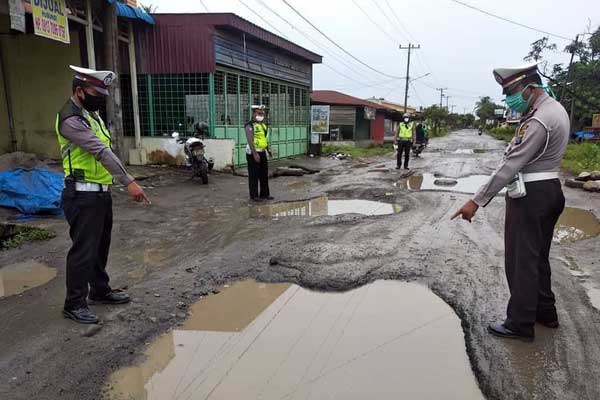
(418, 148)
(195, 156)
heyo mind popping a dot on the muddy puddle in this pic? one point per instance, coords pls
(431, 182)
(576, 224)
(322, 206)
(470, 151)
(17, 278)
(387, 340)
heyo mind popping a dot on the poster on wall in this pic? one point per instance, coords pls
(319, 120)
(50, 19)
(369, 113)
(17, 15)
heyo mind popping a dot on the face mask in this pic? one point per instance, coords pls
(92, 103)
(260, 118)
(517, 103)
(406, 119)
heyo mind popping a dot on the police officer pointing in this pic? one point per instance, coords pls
(534, 200)
(89, 166)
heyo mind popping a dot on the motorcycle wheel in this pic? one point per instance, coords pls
(203, 173)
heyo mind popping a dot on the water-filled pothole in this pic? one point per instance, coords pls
(431, 182)
(13, 236)
(322, 206)
(576, 224)
(262, 341)
(470, 151)
(17, 278)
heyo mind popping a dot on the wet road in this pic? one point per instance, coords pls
(195, 238)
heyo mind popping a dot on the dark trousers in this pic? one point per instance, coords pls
(89, 215)
(258, 173)
(529, 228)
(404, 146)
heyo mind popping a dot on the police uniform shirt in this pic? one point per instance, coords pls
(529, 144)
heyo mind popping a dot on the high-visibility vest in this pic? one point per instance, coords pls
(405, 132)
(260, 136)
(77, 162)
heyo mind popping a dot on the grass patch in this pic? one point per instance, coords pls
(500, 133)
(356, 151)
(582, 157)
(13, 236)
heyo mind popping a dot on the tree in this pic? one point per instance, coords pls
(437, 117)
(537, 48)
(149, 9)
(486, 109)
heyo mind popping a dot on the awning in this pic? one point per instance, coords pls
(126, 11)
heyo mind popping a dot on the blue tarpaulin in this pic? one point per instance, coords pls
(127, 11)
(31, 191)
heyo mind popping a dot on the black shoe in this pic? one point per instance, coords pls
(398, 167)
(501, 331)
(114, 297)
(256, 199)
(406, 168)
(82, 315)
(268, 198)
(553, 324)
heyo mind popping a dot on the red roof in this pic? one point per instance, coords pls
(336, 98)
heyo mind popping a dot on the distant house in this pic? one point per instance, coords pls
(395, 113)
(352, 119)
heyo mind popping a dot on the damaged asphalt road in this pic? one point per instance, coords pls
(195, 238)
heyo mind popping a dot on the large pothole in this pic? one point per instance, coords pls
(19, 277)
(386, 340)
(576, 224)
(322, 206)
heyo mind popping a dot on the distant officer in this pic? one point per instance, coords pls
(89, 166)
(533, 203)
(406, 137)
(256, 155)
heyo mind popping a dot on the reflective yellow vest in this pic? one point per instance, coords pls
(405, 132)
(260, 136)
(78, 163)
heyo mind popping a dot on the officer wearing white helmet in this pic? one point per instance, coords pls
(257, 148)
(89, 167)
(406, 139)
(534, 200)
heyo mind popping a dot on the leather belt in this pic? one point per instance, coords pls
(540, 176)
(91, 187)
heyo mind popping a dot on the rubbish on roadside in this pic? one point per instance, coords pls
(340, 156)
(31, 191)
(588, 181)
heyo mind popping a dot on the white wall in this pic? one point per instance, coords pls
(163, 150)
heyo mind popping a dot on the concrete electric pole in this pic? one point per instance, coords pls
(441, 95)
(409, 48)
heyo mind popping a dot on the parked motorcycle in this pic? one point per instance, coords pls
(195, 156)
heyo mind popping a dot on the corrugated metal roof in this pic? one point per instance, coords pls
(337, 98)
(184, 43)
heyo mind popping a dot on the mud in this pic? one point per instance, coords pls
(276, 341)
(195, 238)
(576, 224)
(17, 278)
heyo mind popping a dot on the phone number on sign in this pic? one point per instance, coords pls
(50, 28)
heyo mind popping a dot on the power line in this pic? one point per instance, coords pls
(374, 23)
(336, 44)
(400, 22)
(262, 19)
(204, 5)
(510, 21)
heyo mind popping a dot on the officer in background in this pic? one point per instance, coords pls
(531, 214)
(406, 137)
(89, 167)
(256, 155)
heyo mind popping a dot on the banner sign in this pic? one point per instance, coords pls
(369, 113)
(50, 19)
(17, 15)
(319, 119)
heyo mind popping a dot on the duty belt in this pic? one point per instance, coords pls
(540, 176)
(91, 187)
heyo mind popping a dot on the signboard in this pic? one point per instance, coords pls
(17, 15)
(315, 138)
(319, 119)
(369, 113)
(50, 19)
(334, 134)
(596, 121)
(499, 112)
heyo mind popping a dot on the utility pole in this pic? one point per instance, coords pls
(409, 48)
(441, 95)
(562, 89)
(452, 107)
(447, 99)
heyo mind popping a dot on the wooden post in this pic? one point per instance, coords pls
(89, 35)
(134, 89)
(114, 114)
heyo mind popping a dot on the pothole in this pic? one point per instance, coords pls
(576, 224)
(431, 182)
(17, 278)
(470, 151)
(322, 206)
(13, 236)
(267, 341)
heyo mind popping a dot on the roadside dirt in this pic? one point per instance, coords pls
(194, 238)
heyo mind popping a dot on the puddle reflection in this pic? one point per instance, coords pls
(299, 344)
(431, 182)
(322, 206)
(17, 278)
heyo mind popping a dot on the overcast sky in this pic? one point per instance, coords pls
(459, 46)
